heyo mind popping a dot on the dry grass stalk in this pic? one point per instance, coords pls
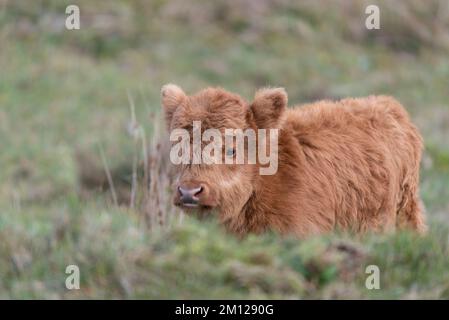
(152, 194)
(109, 176)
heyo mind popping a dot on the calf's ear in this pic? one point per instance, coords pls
(268, 106)
(171, 96)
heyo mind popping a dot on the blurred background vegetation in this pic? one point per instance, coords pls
(66, 114)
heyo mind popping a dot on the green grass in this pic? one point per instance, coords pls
(65, 93)
(118, 258)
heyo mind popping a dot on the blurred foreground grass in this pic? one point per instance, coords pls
(118, 258)
(63, 94)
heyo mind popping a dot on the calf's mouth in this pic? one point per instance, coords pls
(193, 206)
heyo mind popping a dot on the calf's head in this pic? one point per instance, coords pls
(215, 180)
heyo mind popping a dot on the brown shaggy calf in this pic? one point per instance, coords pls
(347, 165)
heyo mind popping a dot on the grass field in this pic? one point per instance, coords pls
(66, 115)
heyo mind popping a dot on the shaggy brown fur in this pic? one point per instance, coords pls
(351, 164)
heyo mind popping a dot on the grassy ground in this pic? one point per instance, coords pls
(65, 95)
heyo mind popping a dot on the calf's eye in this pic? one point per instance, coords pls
(230, 152)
